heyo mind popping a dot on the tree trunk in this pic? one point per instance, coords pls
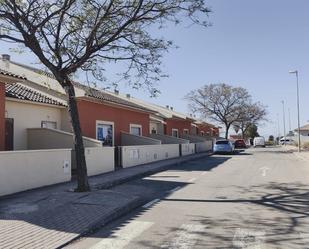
(227, 127)
(81, 168)
(242, 133)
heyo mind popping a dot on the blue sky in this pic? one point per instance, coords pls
(252, 44)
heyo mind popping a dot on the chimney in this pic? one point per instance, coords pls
(6, 57)
(6, 60)
(116, 91)
(128, 95)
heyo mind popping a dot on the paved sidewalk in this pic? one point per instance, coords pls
(304, 155)
(53, 216)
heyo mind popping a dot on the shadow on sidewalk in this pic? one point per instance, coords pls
(43, 214)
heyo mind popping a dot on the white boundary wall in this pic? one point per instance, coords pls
(204, 146)
(23, 170)
(137, 155)
(187, 149)
(99, 160)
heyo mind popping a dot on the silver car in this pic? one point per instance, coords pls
(224, 146)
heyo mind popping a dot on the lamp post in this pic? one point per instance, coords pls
(298, 122)
(284, 132)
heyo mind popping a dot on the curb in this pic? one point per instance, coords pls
(135, 203)
(116, 214)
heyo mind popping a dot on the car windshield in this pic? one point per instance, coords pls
(222, 142)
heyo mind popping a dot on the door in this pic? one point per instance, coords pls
(9, 134)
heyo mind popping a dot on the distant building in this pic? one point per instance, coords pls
(304, 130)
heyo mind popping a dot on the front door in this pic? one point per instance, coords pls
(9, 134)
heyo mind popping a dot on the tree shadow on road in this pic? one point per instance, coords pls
(279, 215)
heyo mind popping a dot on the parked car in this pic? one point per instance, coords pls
(240, 144)
(259, 142)
(224, 146)
(286, 141)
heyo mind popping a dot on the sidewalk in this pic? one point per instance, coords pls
(53, 216)
(303, 155)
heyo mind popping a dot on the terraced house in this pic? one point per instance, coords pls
(118, 130)
(105, 116)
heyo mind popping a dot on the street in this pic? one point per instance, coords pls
(257, 199)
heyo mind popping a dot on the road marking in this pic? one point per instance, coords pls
(192, 179)
(186, 237)
(119, 239)
(151, 203)
(264, 170)
(174, 189)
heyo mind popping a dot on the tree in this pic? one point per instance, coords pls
(71, 35)
(250, 114)
(252, 132)
(220, 102)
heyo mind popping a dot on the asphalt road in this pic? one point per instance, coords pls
(257, 199)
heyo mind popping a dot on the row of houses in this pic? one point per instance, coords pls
(118, 129)
(32, 98)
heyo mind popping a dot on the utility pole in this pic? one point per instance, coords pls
(284, 131)
(298, 119)
(289, 120)
(278, 128)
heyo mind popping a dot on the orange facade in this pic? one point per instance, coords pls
(207, 130)
(178, 124)
(204, 129)
(91, 112)
(2, 116)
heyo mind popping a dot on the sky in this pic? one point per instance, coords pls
(253, 44)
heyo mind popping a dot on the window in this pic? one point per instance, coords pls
(185, 131)
(136, 129)
(49, 124)
(175, 132)
(105, 133)
(222, 142)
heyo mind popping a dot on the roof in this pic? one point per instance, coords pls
(37, 76)
(163, 112)
(6, 73)
(108, 97)
(19, 91)
(304, 128)
(203, 123)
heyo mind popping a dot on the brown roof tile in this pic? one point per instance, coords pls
(22, 92)
(102, 95)
(6, 73)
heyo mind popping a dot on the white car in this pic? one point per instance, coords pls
(286, 140)
(259, 142)
(223, 146)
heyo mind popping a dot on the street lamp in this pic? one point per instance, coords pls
(284, 133)
(298, 122)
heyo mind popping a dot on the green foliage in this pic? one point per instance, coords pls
(251, 132)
